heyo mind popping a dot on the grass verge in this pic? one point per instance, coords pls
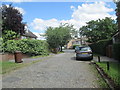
(7, 66)
(99, 79)
(113, 72)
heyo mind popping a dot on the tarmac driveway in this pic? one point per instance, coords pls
(59, 71)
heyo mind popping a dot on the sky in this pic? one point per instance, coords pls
(39, 15)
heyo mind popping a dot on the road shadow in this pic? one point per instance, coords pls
(83, 60)
(73, 58)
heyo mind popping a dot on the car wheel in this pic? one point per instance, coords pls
(91, 58)
(77, 58)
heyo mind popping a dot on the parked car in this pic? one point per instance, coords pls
(76, 48)
(84, 53)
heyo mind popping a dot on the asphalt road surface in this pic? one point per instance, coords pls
(59, 71)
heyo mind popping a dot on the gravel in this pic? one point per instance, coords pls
(59, 71)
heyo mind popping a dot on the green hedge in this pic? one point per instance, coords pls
(100, 46)
(116, 51)
(75, 46)
(31, 47)
(1, 40)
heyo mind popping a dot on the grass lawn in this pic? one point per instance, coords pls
(7, 66)
(114, 71)
(99, 79)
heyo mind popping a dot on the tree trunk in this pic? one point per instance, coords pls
(55, 50)
(61, 48)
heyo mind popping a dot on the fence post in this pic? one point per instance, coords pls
(108, 66)
(98, 58)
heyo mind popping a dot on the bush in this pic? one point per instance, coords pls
(31, 47)
(10, 46)
(1, 40)
(116, 51)
(9, 35)
(100, 46)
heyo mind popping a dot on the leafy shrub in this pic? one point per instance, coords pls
(100, 46)
(116, 51)
(1, 40)
(10, 46)
(31, 47)
(9, 35)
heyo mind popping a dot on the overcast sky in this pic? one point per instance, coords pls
(40, 15)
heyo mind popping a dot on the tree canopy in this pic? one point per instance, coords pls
(99, 29)
(12, 19)
(118, 17)
(59, 36)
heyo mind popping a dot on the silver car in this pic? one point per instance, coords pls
(84, 53)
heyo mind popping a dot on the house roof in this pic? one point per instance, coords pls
(28, 33)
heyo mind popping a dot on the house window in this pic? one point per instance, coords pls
(23, 37)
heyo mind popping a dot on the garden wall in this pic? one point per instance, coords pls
(9, 56)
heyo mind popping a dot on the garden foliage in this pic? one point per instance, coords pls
(116, 51)
(100, 46)
(26, 46)
(75, 46)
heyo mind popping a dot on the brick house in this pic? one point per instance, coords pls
(28, 34)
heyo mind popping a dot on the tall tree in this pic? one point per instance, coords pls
(52, 37)
(12, 19)
(59, 36)
(118, 16)
(64, 33)
(99, 29)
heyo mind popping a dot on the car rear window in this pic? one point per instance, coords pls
(85, 49)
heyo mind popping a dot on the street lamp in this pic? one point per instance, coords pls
(118, 14)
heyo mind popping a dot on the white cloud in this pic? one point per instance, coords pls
(41, 25)
(87, 12)
(21, 10)
(72, 7)
(79, 17)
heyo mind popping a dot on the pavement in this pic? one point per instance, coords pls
(104, 59)
(58, 71)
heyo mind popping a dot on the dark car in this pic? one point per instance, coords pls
(84, 53)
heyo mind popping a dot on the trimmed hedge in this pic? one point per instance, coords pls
(100, 46)
(75, 46)
(31, 47)
(116, 51)
(1, 40)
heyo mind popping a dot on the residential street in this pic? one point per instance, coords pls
(42, 42)
(59, 71)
